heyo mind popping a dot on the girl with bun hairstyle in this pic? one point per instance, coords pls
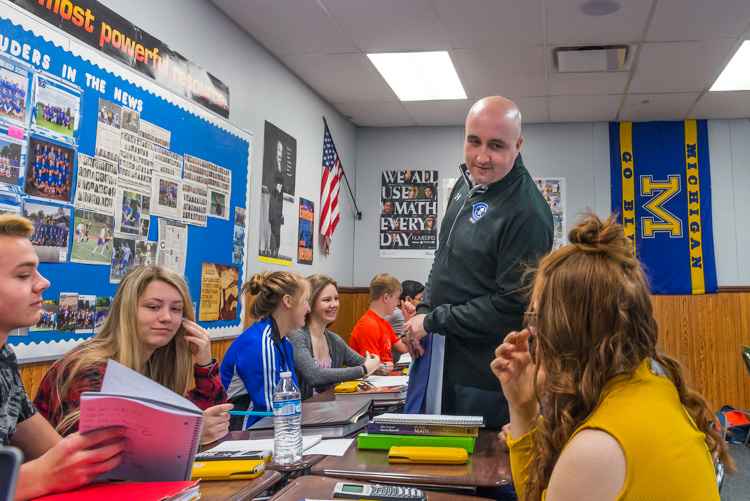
(151, 329)
(619, 421)
(319, 354)
(254, 361)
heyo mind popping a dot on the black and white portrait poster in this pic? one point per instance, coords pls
(278, 233)
(408, 214)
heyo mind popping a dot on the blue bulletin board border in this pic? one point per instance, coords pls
(194, 131)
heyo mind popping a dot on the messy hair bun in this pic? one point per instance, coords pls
(269, 290)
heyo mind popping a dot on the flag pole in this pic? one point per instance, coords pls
(357, 211)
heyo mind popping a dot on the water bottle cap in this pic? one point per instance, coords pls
(286, 374)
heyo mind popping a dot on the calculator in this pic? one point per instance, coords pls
(347, 490)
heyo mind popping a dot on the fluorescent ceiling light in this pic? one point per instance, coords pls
(736, 75)
(420, 76)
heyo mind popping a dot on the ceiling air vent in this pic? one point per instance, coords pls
(591, 58)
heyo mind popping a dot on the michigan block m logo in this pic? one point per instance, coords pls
(660, 219)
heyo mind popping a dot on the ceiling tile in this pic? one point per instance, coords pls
(583, 108)
(734, 104)
(698, 20)
(567, 25)
(389, 25)
(491, 23)
(342, 78)
(650, 107)
(533, 109)
(583, 84)
(376, 114)
(679, 66)
(288, 27)
(452, 112)
(508, 71)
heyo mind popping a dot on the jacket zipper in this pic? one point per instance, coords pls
(472, 190)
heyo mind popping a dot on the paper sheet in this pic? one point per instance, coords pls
(262, 445)
(331, 447)
(380, 381)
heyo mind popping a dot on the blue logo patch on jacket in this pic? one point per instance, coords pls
(479, 210)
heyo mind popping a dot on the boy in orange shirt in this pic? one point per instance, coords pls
(373, 334)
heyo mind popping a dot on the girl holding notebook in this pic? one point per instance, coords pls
(319, 354)
(151, 329)
(590, 354)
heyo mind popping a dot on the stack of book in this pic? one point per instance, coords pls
(427, 430)
(328, 419)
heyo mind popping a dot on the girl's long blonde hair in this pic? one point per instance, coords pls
(170, 365)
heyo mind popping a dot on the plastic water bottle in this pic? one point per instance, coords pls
(287, 414)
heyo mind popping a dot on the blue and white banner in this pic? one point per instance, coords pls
(661, 188)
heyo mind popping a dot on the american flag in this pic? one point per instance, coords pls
(329, 189)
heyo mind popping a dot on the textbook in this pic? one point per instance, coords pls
(163, 428)
(132, 491)
(385, 442)
(429, 419)
(423, 429)
(328, 419)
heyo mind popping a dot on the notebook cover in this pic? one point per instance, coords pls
(131, 491)
(385, 442)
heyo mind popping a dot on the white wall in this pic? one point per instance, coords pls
(260, 89)
(578, 152)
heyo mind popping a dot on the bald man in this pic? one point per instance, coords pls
(495, 223)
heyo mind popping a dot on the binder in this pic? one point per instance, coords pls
(385, 442)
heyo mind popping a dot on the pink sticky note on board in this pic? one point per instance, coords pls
(16, 132)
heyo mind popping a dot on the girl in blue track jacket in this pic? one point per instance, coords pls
(254, 361)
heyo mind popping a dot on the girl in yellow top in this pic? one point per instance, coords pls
(619, 422)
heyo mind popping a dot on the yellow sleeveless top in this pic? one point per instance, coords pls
(665, 453)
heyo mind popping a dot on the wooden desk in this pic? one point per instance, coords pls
(316, 487)
(238, 490)
(487, 467)
(306, 462)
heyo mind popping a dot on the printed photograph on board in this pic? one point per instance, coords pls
(133, 218)
(56, 110)
(11, 155)
(219, 292)
(86, 313)
(108, 123)
(14, 92)
(66, 318)
(130, 120)
(145, 253)
(49, 169)
(48, 317)
(92, 238)
(278, 235)
(102, 312)
(50, 237)
(123, 261)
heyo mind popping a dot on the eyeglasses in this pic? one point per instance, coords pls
(529, 323)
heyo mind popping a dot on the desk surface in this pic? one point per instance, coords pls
(489, 466)
(305, 463)
(238, 490)
(317, 487)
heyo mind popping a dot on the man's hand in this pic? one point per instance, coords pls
(414, 330)
(72, 462)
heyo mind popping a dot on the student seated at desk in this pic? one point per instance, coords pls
(604, 382)
(150, 329)
(319, 353)
(254, 361)
(53, 463)
(372, 333)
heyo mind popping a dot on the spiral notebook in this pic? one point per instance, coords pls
(163, 427)
(429, 419)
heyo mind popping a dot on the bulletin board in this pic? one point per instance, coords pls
(197, 145)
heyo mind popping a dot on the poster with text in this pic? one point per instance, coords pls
(219, 292)
(278, 235)
(408, 214)
(306, 231)
(553, 191)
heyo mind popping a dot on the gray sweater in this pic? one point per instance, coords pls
(308, 373)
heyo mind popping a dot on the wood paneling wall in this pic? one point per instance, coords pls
(705, 333)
